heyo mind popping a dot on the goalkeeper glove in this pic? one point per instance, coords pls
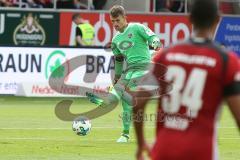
(156, 44)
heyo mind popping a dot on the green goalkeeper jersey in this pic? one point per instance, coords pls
(133, 44)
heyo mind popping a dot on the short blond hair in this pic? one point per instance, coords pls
(117, 10)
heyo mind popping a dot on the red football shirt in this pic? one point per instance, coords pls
(202, 74)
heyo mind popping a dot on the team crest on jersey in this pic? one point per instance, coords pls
(130, 35)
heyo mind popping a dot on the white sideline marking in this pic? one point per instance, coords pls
(234, 138)
(55, 128)
(52, 139)
(52, 128)
(98, 127)
(34, 128)
(83, 139)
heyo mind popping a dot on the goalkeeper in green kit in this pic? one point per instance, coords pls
(130, 45)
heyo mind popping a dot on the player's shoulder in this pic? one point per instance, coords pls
(212, 46)
(188, 44)
(135, 25)
(219, 48)
(224, 53)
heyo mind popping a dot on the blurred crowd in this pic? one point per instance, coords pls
(27, 3)
(227, 7)
(81, 4)
(64, 4)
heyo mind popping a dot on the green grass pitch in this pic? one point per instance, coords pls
(29, 130)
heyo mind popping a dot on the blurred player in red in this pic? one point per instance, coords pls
(202, 74)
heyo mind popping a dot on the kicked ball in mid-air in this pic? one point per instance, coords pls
(81, 126)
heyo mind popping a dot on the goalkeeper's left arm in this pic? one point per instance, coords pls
(150, 36)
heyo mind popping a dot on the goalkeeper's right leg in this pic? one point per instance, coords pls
(113, 96)
(94, 99)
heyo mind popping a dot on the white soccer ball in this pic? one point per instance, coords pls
(81, 126)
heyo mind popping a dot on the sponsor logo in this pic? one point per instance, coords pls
(36, 89)
(29, 32)
(54, 61)
(47, 90)
(98, 64)
(19, 62)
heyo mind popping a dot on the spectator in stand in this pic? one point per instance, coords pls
(73, 4)
(170, 5)
(29, 4)
(9, 3)
(99, 4)
(37, 4)
(177, 6)
(161, 6)
(45, 3)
